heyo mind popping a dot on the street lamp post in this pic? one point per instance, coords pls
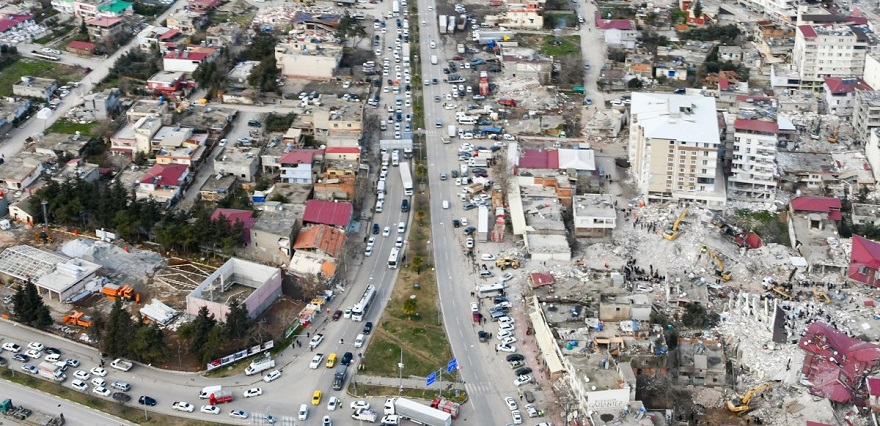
(400, 377)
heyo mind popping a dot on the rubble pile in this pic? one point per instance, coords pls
(134, 263)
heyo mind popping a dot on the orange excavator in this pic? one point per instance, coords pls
(77, 318)
(113, 291)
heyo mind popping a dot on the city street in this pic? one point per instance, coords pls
(74, 414)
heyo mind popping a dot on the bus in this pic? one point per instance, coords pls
(491, 290)
(406, 178)
(393, 258)
(360, 309)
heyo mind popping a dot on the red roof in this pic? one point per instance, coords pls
(756, 125)
(246, 217)
(327, 212)
(818, 204)
(617, 24)
(874, 386)
(325, 238)
(539, 279)
(723, 83)
(840, 85)
(342, 150)
(165, 174)
(865, 253)
(104, 21)
(298, 156)
(81, 45)
(10, 20)
(186, 55)
(839, 363)
(169, 34)
(539, 159)
(807, 30)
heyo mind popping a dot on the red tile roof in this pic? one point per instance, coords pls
(807, 30)
(840, 85)
(342, 150)
(617, 24)
(10, 20)
(723, 83)
(104, 21)
(837, 360)
(185, 55)
(165, 174)
(756, 125)
(874, 386)
(327, 213)
(325, 238)
(865, 253)
(169, 34)
(81, 45)
(538, 279)
(298, 156)
(539, 159)
(246, 217)
(818, 204)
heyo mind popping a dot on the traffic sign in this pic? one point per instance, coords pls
(452, 365)
(431, 379)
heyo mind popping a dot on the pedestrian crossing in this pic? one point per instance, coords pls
(479, 388)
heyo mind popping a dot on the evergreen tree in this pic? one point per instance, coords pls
(237, 321)
(118, 333)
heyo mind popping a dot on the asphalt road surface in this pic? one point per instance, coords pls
(74, 414)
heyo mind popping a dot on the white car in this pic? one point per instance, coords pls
(316, 340)
(99, 382)
(79, 385)
(533, 412)
(521, 380)
(475, 307)
(82, 375)
(210, 409)
(326, 421)
(98, 371)
(469, 243)
(387, 231)
(487, 256)
(508, 340)
(33, 353)
(253, 392)
(504, 333)
(507, 276)
(101, 391)
(239, 414)
(464, 222)
(272, 376)
(332, 403)
(505, 319)
(517, 417)
(360, 405)
(511, 403)
(183, 406)
(503, 304)
(505, 347)
(398, 242)
(316, 361)
(506, 326)
(11, 347)
(37, 346)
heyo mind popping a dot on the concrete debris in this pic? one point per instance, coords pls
(136, 265)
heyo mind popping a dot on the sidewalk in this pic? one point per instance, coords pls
(409, 383)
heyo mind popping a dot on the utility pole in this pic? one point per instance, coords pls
(400, 377)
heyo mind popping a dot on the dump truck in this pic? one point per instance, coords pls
(446, 405)
(77, 318)
(507, 262)
(51, 371)
(416, 412)
(259, 365)
(220, 397)
(113, 291)
(27, 416)
(121, 364)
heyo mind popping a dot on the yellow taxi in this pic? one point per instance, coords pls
(316, 397)
(331, 360)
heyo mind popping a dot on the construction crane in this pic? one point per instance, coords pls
(673, 232)
(741, 405)
(720, 272)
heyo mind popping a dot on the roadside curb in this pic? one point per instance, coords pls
(120, 419)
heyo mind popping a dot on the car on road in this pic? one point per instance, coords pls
(147, 400)
(398, 242)
(79, 385)
(521, 380)
(272, 376)
(37, 346)
(347, 313)
(21, 358)
(533, 412)
(387, 231)
(11, 347)
(517, 417)
(505, 347)
(469, 243)
(346, 358)
(337, 315)
(99, 382)
(375, 229)
(52, 351)
(507, 276)
(98, 371)
(183, 406)
(210, 409)
(368, 327)
(511, 403)
(326, 421)
(244, 139)
(121, 397)
(101, 391)
(487, 256)
(316, 397)
(503, 304)
(123, 386)
(222, 142)
(360, 405)
(30, 369)
(253, 392)
(332, 403)
(239, 414)
(33, 353)
(82, 375)
(316, 361)
(316, 340)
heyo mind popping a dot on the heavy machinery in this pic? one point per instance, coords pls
(43, 237)
(113, 291)
(77, 318)
(821, 296)
(673, 232)
(741, 405)
(720, 272)
(833, 136)
(507, 262)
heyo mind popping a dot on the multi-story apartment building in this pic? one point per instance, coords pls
(840, 94)
(674, 147)
(866, 115)
(752, 169)
(836, 50)
(778, 9)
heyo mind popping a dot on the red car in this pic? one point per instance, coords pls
(456, 58)
(337, 315)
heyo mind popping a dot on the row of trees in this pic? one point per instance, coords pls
(122, 336)
(206, 336)
(29, 307)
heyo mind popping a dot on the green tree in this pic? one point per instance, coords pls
(209, 76)
(417, 263)
(118, 332)
(237, 321)
(698, 9)
(263, 75)
(410, 306)
(149, 345)
(199, 333)
(350, 29)
(634, 83)
(29, 307)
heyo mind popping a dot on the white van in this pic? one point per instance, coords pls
(303, 412)
(379, 206)
(445, 204)
(359, 341)
(401, 227)
(380, 197)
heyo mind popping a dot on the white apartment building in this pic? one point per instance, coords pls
(753, 168)
(836, 50)
(866, 115)
(779, 9)
(674, 148)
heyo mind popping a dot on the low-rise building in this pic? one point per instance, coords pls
(22, 169)
(167, 82)
(866, 214)
(527, 63)
(187, 21)
(243, 163)
(594, 215)
(83, 48)
(217, 188)
(620, 33)
(526, 16)
(35, 87)
(164, 183)
(115, 9)
(103, 105)
(11, 112)
(701, 362)
(840, 94)
(58, 144)
(309, 61)
(184, 61)
(109, 30)
(77, 169)
(273, 233)
(323, 239)
(812, 229)
(235, 216)
(150, 108)
(327, 213)
(298, 165)
(256, 287)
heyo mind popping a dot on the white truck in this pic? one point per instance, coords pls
(51, 371)
(395, 7)
(259, 365)
(442, 21)
(434, 60)
(416, 412)
(459, 48)
(365, 415)
(450, 131)
(208, 390)
(121, 364)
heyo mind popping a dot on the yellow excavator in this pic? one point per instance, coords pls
(832, 138)
(673, 233)
(720, 272)
(741, 405)
(821, 296)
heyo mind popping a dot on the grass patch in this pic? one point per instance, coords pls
(560, 46)
(130, 411)
(772, 228)
(36, 68)
(361, 390)
(55, 33)
(71, 127)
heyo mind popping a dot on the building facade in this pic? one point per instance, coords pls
(828, 51)
(752, 169)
